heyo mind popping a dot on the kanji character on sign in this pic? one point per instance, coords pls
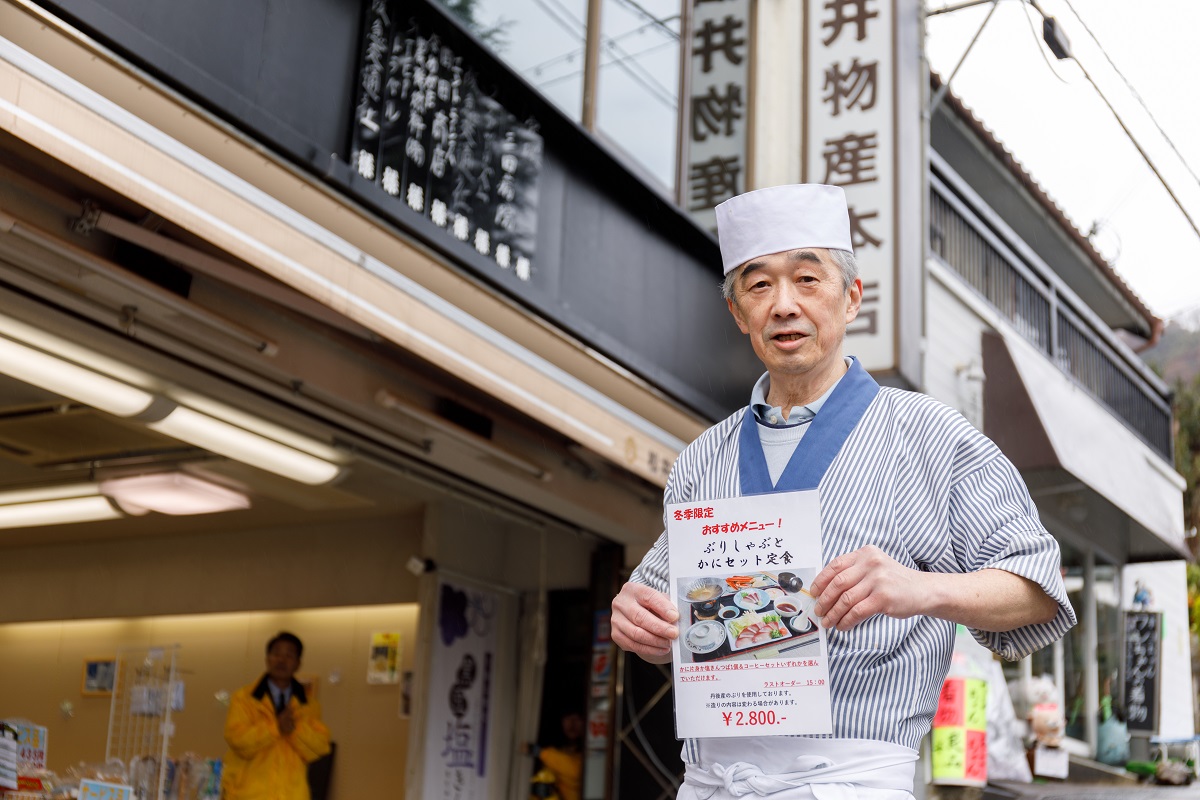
(859, 236)
(856, 86)
(850, 159)
(868, 316)
(712, 39)
(847, 12)
(713, 181)
(713, 110)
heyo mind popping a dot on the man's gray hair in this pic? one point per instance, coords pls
(843, 258)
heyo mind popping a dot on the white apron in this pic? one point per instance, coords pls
(800, 768)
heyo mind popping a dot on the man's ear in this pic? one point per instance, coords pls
(855, 300)
(737, 315)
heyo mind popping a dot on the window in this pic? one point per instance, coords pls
(637, 91)
(637, 103)
(541, 40)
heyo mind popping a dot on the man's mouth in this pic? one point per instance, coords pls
(788, 337)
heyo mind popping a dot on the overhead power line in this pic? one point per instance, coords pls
(624, 61)
(578, 52)
(1063, 52)
(1141, 150)
(1120, 121)
(1135, 94)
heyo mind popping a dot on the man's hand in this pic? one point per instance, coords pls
(287, 721)
(643, 622)
(868, 581)
(864, 583)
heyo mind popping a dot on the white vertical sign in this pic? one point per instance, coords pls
(859, 118)
(716, 111)
(458, 764)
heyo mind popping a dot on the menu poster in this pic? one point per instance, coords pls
(751, 658)
(383, 663)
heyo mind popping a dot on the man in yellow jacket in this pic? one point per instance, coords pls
(273, 730)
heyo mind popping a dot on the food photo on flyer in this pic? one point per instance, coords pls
(747, 615)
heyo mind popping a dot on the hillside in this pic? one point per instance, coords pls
(1177, 355)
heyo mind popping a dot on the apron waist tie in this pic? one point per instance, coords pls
(740, 778)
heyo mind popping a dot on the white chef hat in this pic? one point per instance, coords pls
(782, 218)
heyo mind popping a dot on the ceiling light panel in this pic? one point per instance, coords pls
(173, 493)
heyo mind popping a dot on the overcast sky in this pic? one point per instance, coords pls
(1055, 123)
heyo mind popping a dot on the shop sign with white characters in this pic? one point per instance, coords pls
(430, 136)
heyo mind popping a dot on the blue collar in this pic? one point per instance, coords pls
(821, 443)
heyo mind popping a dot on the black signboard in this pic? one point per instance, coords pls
(1143, 637)
(427, 133)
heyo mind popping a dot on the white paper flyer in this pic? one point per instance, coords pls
(750, 659)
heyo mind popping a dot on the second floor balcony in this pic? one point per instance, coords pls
(971, 240)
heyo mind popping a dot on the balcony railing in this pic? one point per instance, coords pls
(1026, 293)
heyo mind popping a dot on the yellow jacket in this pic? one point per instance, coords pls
(262, 763)
(567, 767)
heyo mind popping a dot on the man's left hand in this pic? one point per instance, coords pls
(287, 721)
(864, 583)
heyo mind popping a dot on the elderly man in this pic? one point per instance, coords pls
(924, 522)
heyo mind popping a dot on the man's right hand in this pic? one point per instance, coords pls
(644, 622)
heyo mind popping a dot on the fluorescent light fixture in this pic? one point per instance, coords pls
(172, 493)
(249, 439)
(71, 380)
(254, 424)
(55, 505)
(239, 444)
(47, 342)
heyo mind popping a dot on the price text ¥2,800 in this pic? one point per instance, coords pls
(741, 719)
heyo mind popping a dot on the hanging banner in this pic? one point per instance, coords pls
(462, 667)
(861, 132)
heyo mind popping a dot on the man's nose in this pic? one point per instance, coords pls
(785, 302)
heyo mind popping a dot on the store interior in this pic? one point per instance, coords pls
(130, 348)
(218, 654)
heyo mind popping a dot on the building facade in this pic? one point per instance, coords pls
(430, 287)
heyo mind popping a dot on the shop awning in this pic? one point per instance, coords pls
(208, 180)
(1045, 422)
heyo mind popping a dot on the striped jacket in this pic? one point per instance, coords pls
(918, 481)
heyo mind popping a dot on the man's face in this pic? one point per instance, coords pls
(282, 661)
(795, 310)
(572, 725)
